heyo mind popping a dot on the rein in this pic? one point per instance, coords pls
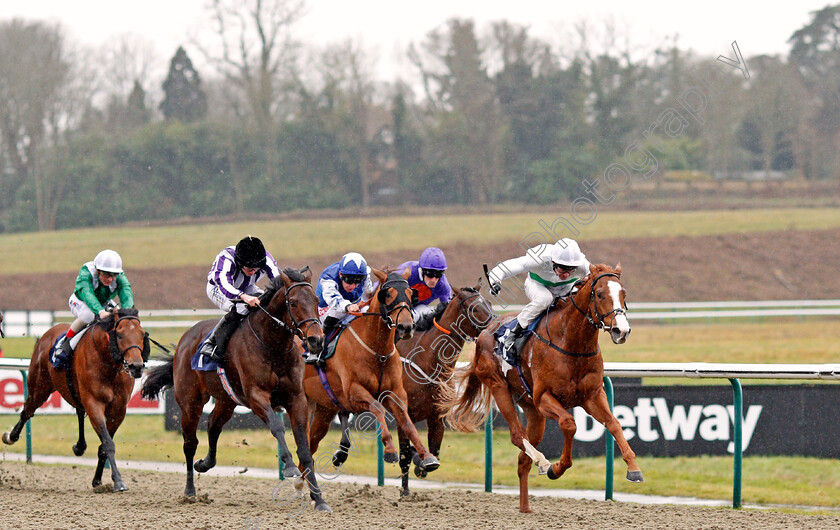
(295, 328)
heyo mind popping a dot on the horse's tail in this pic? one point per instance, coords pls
(468, 410)
(159, 379)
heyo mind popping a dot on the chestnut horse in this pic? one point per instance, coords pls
(109, 357)
(366, 373)
(264, 370)
(429, 359)
(561, 367)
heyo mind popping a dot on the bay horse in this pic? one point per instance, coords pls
(561, 368)
(108, 358)
(264, 369)
(429, 359)
(365, 374)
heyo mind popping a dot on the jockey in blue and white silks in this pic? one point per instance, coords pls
(342, 286)
(552, 272)
(428, 277)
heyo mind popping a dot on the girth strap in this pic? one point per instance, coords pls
(322, 376)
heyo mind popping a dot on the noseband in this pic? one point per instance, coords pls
(400, 302)
(599, 320)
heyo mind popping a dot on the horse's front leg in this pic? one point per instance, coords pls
(599, 408)
(107, 448)
(359, 399)
(340, 456)
(261, 405)
(297, 408)
(553, 410)
(222, 412)
(80, 446)
(396, 401)
(407, 454)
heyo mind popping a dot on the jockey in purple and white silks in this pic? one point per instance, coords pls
(552, 272)
(428, 277)
(340, 289)
(234, 276)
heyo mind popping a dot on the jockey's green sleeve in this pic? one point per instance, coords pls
(94, 294)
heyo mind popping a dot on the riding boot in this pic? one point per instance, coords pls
(327, 327)
(510, 342)
(63, 352)
(214, 347)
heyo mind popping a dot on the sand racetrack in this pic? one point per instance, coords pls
(39, 496)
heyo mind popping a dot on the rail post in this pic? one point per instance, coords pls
(738, 449)
(488, 452)
(610, 450)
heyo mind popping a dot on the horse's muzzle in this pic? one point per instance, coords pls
(315, 345)
(619, 336)
(135, 370)
(405, 331)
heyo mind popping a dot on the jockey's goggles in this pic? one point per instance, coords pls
(432, 273)
(564, 268)
(354, 279)
(108, 274)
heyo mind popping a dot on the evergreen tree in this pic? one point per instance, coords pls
(183, 97)
(136, 113)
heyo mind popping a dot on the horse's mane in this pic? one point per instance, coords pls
(108, 321)
(294, 274)
(275, 285)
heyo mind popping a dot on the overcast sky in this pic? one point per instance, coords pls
(386, 27)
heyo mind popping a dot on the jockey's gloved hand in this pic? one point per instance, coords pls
(103, 314)
(495, 288)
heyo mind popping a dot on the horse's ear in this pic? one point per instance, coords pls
(618, 268)
(307, 274)
(380, 275)
(286, 279)
(455, 292)
(406, 273)
(592, 269)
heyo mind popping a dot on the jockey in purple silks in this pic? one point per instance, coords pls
(427, 276)
(233, 278)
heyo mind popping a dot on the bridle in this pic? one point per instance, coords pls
(467, 310)
(295, 327)
(117, 354)
(401, 302)
(599, 320)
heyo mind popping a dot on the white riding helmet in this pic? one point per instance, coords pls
(108, 261)
(566, 252)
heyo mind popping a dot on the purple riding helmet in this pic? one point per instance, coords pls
(433, 259)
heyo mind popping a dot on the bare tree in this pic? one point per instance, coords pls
(39, 101)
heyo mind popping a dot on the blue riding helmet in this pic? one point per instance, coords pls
(433, 259)
(353, 264)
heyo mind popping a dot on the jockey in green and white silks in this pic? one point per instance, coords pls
(98, 282)
(552, 271)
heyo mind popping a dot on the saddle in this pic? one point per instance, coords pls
(512, 356)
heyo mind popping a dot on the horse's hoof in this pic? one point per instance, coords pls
(419, 472)
(323, 507)
(339, 458)
(201, 467)
(551, 474)
(96, 483)
(404, 493)
(392, 458)
(120, 486)
(8, 439)
(430, 463)
(291, 472)
(635, 476)
(79, 449)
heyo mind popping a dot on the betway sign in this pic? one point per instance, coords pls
(692, 420)
(11, 398)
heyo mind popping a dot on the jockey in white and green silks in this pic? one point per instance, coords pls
(98, 282)
(552, 271)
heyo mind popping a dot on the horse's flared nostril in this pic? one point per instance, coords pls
(315, 344)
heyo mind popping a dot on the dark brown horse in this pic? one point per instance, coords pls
(429, 359)
(265, 372)
(562, 368)
(365, 374)
(109, 357)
